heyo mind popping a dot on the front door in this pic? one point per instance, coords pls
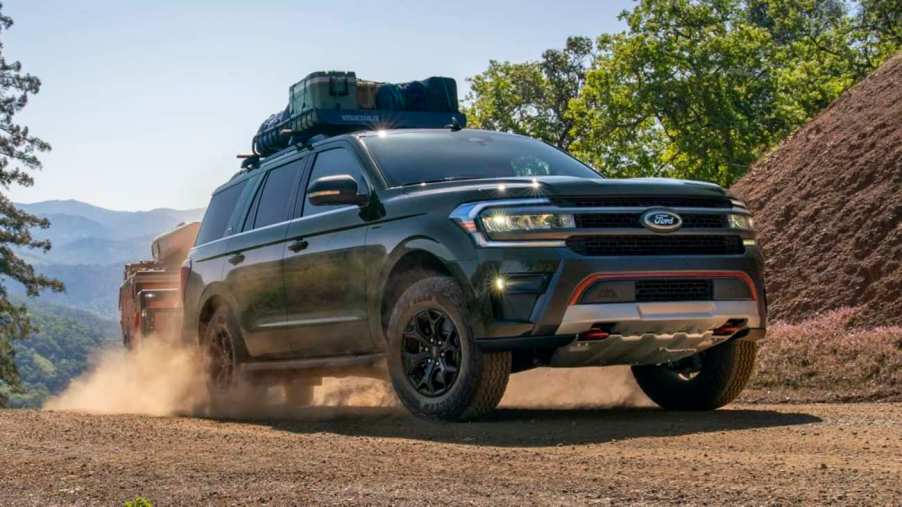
(325, 268)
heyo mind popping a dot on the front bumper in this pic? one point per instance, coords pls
(639, 332)
(635, 319)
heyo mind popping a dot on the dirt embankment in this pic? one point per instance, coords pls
(828, 204)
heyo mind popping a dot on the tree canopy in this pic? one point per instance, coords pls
(693, 89)
(532, 98)
(18, 156)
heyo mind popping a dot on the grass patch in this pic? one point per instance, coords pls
(825, 358)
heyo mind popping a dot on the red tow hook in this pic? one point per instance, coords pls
(592, 335)
(732, 327)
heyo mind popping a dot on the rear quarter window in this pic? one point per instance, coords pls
(219, 212)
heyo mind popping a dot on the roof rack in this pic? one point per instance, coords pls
(304, 127)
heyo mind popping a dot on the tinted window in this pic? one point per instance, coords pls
(331, 163)
(415, 157)
(220, 210)
(272, 204)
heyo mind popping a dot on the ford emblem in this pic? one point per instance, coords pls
(661, 221)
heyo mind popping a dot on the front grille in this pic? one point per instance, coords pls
(641, 202)
(704, 221)
(598, 246)
(607, 221)
(633, 221)
(674, 290)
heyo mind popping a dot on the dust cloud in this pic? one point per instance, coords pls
(163, 377)
(158, 378)
(611, 386)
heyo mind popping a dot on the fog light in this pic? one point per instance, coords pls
(500, 284)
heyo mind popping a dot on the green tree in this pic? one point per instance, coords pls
(532, 98)
(693, 89)
(18, 156)
(878, 27)
(700, 88)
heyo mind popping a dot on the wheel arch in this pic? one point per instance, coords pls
(214, 298)
(408, 263)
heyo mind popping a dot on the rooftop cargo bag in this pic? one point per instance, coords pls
(334, 103)
(324, 90)
(413, 95)
(269, 139)
(388, 97)
(441, 94)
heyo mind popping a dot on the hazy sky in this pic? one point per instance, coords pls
(146, 103)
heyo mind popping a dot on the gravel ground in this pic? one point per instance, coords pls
(745, 454)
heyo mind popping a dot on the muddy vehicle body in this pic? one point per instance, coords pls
(458, 257)
(150, 297)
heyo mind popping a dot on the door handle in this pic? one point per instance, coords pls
(298, 245)
(236, 259)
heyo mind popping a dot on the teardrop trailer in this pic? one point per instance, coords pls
(370, 227)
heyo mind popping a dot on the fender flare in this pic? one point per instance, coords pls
(216, 290)
(403, 248)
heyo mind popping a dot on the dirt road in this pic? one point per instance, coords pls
(758, 454)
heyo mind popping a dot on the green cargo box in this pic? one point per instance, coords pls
(324, 90)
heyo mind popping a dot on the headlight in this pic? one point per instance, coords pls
(498, 221)
(741, 222)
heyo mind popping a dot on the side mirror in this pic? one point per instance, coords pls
(338, 189)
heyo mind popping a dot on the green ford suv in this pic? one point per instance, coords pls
(458, 257)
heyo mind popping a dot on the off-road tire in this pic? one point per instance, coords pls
(483, 376)
(725, 369)
(221, 336)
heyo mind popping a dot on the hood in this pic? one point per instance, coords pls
(566, 186)
(561, 186)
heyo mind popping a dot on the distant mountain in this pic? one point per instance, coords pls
(90, 245)
(94, 288)
(82, 233)
(119, 224)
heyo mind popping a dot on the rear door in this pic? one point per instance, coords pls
(254, 269)
(325, 266)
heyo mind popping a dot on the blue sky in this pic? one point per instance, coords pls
(146, 103)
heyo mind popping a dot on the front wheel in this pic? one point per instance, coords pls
(705, 381)
(436, 368)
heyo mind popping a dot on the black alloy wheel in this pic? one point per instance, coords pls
(431, 352)
(220, 354)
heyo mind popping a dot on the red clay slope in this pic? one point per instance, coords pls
(828, 205)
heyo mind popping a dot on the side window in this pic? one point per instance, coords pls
(272, 203)
(331, 163)
(218, 213)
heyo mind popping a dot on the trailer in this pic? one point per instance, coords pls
(150, 296)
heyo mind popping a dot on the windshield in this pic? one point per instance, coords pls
(415, 157)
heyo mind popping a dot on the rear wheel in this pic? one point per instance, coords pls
(219, 348)
(706, 381)
(436, 368)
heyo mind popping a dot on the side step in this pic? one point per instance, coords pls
(369, 365)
